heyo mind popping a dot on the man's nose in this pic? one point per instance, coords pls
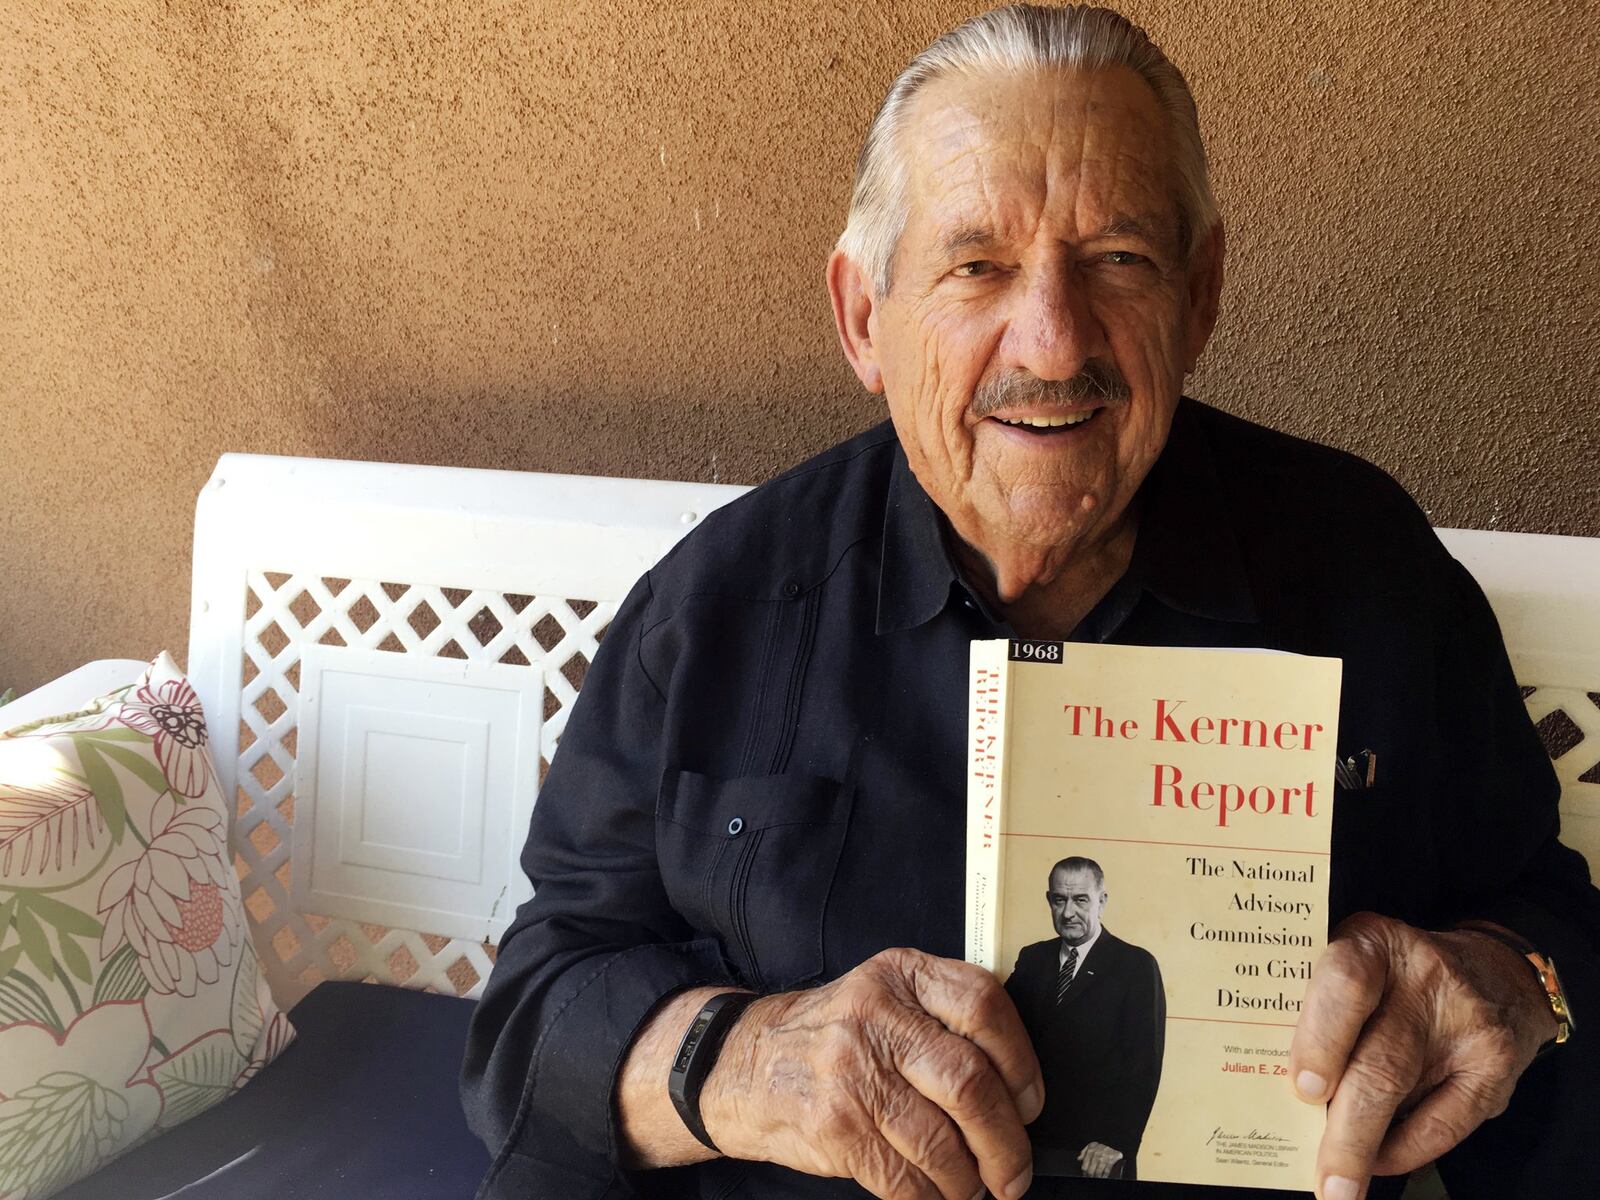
(1053, 331)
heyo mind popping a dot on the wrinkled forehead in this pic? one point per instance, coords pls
(1073, 883)
(1077, 150)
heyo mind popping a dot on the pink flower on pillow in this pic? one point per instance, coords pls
(170, 713)
(172, 904)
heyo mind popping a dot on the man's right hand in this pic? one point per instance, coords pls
(912, 1075)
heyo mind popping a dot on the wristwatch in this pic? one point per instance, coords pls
(1543, 968)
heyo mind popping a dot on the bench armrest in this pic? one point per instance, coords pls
(71, 691)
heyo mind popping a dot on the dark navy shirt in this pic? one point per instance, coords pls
(763, 779)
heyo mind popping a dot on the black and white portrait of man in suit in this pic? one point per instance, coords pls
(1094, 1007)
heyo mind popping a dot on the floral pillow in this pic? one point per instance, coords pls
(130, 995)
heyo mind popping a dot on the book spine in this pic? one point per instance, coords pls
(988, 713)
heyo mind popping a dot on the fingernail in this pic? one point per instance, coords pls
(1311, 1086)
(1019, 1185)
(1337, 1187)
(1032, 1099)
(981, 1194)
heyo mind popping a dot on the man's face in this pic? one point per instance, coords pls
(1075, 905)
(1041, 244)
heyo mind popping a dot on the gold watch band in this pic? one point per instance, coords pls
(1543, 968)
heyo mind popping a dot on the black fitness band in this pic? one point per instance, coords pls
(697, 1054)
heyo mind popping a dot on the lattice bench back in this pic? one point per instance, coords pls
(387, 655)
(1546, 594)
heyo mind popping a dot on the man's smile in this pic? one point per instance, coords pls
(1054, 421)
(1053, 424)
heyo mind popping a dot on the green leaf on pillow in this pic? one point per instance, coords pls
(6, 911)
(121, 978)
(21, 999)
(34, 943)
(247, 1020)
(8, 959)
(197, 1077)
(76, 960)
(63, 916)
(149, 774)
(60, 1128)
(115, 734)
(102, 781)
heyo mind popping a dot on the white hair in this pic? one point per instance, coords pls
(1018, 39)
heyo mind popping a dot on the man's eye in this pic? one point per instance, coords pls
(1122, 258)
(972, 270)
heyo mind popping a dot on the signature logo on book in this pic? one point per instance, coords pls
(1255, 1135)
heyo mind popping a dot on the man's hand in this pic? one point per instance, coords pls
(912, 1075)
(1435, 1027)
(1098, 1160)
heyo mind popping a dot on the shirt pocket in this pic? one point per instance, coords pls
(752, 859)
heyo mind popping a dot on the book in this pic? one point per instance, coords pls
(1147, 873)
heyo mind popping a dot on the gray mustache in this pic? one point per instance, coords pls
(1097, 381)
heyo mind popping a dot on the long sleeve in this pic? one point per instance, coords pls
(592, 954)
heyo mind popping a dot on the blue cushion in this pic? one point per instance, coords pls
(363, 1104)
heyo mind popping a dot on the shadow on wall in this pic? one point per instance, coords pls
(590, 237)
(567, 429)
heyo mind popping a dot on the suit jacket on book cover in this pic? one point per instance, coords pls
(1105, 1036)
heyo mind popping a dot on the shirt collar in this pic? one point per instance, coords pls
(915, 578)
(1083, 952)
(1186, 555)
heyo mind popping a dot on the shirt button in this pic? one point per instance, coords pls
(791, 589)
(734, 826)
(968, 604)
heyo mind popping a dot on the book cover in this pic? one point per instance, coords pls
(1147, 873)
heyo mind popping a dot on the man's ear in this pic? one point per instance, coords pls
(1205, 293)
(851, 293)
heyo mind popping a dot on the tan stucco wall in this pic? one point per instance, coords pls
(589, 237)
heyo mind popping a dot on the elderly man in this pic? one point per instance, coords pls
(738, 974)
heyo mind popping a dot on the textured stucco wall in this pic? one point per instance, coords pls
(589, 237)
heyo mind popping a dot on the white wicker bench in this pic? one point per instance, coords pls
(387, 655)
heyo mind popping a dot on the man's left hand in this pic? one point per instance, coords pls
(1435, 1027)
(1097, 1160)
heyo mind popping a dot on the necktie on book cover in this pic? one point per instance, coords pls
(1069, 971)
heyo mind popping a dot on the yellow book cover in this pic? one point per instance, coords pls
(1147, 873)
